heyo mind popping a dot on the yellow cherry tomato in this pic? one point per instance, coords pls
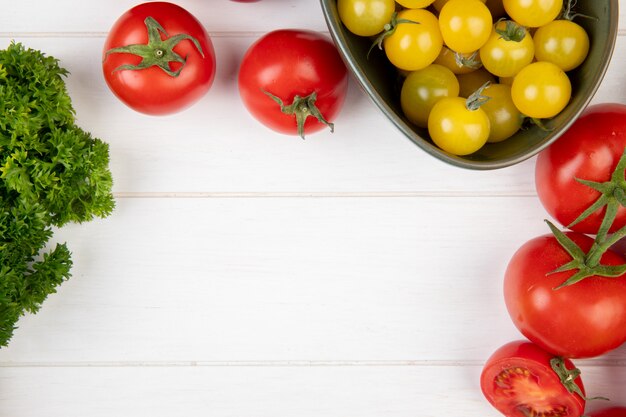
(472, 81)
(563, 43)
(508, 49)
(465, 25)
(438, 4)
(457, 129)
(504, 118)
(423, 88)
(533, 13)
(365, 17)
(415, 4)
(541, 90)
(458, 63)
(416, 41)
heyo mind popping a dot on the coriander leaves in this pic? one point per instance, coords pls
(51, 173)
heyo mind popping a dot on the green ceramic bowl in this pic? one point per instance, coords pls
(379, 79)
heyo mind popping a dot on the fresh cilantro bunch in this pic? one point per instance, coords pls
(51, 173)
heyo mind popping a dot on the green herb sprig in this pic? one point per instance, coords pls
(51, 172)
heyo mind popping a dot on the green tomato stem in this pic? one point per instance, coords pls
(512, 31)
(471, 61)
(568, 378)
(301, 108)
(389, 29)
(612, 196)
(477, 99)
(157, 52)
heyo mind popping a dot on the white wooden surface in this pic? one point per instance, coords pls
(250, 274)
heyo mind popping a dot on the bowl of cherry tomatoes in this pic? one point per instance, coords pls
(479, 84)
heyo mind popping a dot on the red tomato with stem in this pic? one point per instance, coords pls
(589, 150)
(520, 379)
(581, 320)
(158, 59)
(293, 81)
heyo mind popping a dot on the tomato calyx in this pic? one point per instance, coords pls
(512, 31)
(468, 61)
(612, 195)
(302, 108)
(568, 376)
(587, 264)
(157, 52)
(477, 99)
(388, 30)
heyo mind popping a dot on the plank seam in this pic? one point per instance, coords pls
(619, 363)
(357, 194)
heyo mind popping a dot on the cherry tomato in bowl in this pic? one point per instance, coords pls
(541, 90)
(563, 43)
(158, 59)
(509, 49)
(366, 17)
(293, 81)
(415, 42)
(533, 13)
(456, 127)
(465, 25)
(423, 88)
(380, 80)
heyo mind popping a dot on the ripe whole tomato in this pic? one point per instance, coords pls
(158, 59)
(581, 320)
(293, 81)
(589, 150)
(519, 380)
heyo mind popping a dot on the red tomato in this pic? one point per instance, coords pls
(285, 66)
(590, 150)
(519, 381)
(609, 412)
(158, 59)
(582, 320)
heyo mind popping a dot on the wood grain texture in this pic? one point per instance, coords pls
(245, 273)
(258, 391)
(283, 278)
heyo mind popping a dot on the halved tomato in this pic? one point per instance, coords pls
(520, 380)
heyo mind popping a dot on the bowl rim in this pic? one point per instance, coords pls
(359, 73)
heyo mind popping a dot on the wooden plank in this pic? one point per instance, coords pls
(264, 279)
(217, 16)
(402, 391)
